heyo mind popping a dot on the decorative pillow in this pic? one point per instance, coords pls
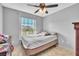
(2, 39)
(47, 34)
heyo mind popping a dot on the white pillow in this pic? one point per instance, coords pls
(53, 33)
(43, 33)
(33, 35)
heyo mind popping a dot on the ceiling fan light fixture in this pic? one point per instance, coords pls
(42, 11)
(42, 8)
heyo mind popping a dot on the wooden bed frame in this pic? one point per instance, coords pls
(30, 52)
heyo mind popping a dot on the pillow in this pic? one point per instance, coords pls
(33, 35)
(54, 33)
(47, 34)
(3, 39)
(43, 33)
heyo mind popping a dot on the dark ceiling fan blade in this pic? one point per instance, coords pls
(49, 6)
(32, 5)
(36, 11)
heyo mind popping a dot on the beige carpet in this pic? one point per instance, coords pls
(53, 51)
(56, 51)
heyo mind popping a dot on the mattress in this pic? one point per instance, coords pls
(34, 42)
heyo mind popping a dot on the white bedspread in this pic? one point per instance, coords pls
(37, 41)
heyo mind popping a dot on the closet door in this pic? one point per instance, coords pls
(76, 26)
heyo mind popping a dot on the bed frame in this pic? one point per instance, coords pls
(31, 52)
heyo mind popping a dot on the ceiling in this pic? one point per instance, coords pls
(29, 9)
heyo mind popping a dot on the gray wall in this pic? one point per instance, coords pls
(11, 23)
(61, 22)
(1, 18)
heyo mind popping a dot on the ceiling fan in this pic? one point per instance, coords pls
(42, 7)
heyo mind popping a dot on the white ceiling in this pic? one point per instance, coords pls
(29, 9)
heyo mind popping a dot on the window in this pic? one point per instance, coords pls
(28, 26)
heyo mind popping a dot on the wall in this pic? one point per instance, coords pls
(61, 22)
(11, 23)
(1, 18)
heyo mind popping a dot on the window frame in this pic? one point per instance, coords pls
(30, 22)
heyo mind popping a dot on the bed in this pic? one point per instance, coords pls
(35, 44)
